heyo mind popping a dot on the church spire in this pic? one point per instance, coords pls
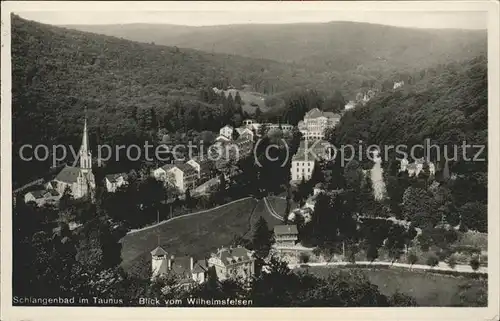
(85, 155)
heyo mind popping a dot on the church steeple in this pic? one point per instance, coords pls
(85, 154)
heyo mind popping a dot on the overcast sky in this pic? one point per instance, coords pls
(447, 19)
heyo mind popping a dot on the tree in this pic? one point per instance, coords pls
(432, 260)
(412, 258)
(372, 253)
(474, 263)
(304, 257)
(399, 299)
(262, 238)
(452, 262)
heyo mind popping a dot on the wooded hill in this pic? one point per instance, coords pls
(57, 72)
(349, 54)
(448, 105)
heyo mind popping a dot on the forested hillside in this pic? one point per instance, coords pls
(128, 87)
(350, 54)
(448, 106)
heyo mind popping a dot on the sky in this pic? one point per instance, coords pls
(426, 19)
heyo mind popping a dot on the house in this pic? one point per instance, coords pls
(233, 262)
(182, 176)
(307, 154)
(114, 181)
(398, 84)
(222, 139)
(316, 122)
(204, 167)
(226, 131)
(243, 146)
(187, 271)
(416, 167)
(42, 197)
(79, 180)
(248, 122)
(350, 105)
(244, 132)
(285, 235)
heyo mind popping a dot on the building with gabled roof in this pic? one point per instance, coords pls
(316, 122)
(115, 181)
(185, 270)
(285, 235)
(79, 180)
(233, 262)
(42, 197)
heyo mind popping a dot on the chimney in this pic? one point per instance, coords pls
(192, 266)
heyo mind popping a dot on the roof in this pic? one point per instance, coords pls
(228, 126)
(181, 266)
(158, 251)
(53, 192)
(286, 229)
(186, 168)
(301, 155)
(315, 113)
(68, 174)
(200, 266)
(167, 167)
(38, 193)
(234, 255)
(114, 177)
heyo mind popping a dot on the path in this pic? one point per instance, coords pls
(185, 215)
(271, 210)
(441, 267)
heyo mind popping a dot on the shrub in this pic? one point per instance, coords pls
(432, 260)
(304, 258)
(452, 261)
(412, 258)
(474, 263)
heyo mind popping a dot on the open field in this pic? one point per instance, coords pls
(251, 100)
(279, 204)
(428, 289)
(196, 235)
(261, 210)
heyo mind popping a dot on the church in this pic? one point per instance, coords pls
(79, 180)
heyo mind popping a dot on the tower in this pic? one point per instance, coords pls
(159, 262)
(85, 154)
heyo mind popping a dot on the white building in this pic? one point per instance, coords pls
(114, 181)
(184, 269)
(415, 168)
(182, 176)
(235, 263)
(79, 180)
(316, 122)
(307, 154)
(42, 197)
(227, 131)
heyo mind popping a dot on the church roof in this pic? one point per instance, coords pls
(158, 251)
(68, 174)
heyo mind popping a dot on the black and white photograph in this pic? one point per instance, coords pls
(249, 155)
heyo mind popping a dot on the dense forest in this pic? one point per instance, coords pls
(347, 54)
(126, 86)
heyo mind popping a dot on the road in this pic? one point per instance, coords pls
(441, 267)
